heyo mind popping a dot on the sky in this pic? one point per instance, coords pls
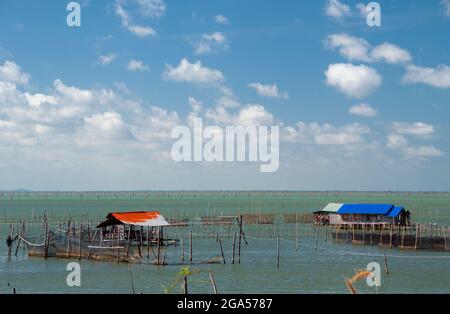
(93, 107)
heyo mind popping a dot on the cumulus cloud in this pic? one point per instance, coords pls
(220, 19)
(358, 49)
(268, 90)
(137, 65)
(11, 72)
(356, 81)
(350, 47)
(390, 53)
(193, 73)
(107, 59)
(127, 22)
(210, 43)
(336, 9)
(363, 110)
(152, 8)
(436, 77)
(416, 129)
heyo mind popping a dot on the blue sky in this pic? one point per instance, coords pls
(92, 107)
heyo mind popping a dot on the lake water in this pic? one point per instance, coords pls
(302, 270)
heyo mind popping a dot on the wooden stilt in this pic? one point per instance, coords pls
(80, 227)
(234, 248)
(159, 246)
(417, 234)
(129, 241)
(92, 244)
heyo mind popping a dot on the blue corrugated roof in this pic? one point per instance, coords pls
(366, 209)
(395, 211)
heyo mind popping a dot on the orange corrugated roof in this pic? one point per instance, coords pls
(136, 217)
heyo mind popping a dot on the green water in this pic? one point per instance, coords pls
(306, 270)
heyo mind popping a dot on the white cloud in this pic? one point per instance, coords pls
(446, 6)
(11, 72)
(127, 23)
(336, 9)
(220, 19)
(268, 90)
(152, 8)
(416, 129)
(107, 59)
(193, 73)
(350, 47)
(137, 65)
(358, 49)
(396, 141)
(390, 53)
(362, 9)
(436, 77)
(195, 104)
(423, 152)
(355, 81)
(210, 43)
(363, 110)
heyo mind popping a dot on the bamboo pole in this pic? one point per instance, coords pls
(417, 234)
(213, 282)
(118, 243)
(92, 244)
(234, 248)
(185, 285)
(20, 237)
(46, 239)
(278, 251)
(445, 238)
(190, 246)
(129, 240)
(159, 246)
(80, 226)
(182, 251)
(221, 250)
(390, 237)
(148, 242)
(386, 267)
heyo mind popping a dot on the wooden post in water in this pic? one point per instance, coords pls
(20, 236)
(278, 251)
(403, 235)
(381, 234)
(386, 267)
(182, 251)
(159, 246)
(444, 234)
(185, 285)
(296, 231)
(417, 235)
(190, 246)
(129, 240)
(390, 237)
(118, 243)
(234, 248)
(317, 237)
(46, 239)
(148, 242)
(80, 227)
(326, 233)
(68, 237)
(92, 244)
(221, 250)
(213, 282)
